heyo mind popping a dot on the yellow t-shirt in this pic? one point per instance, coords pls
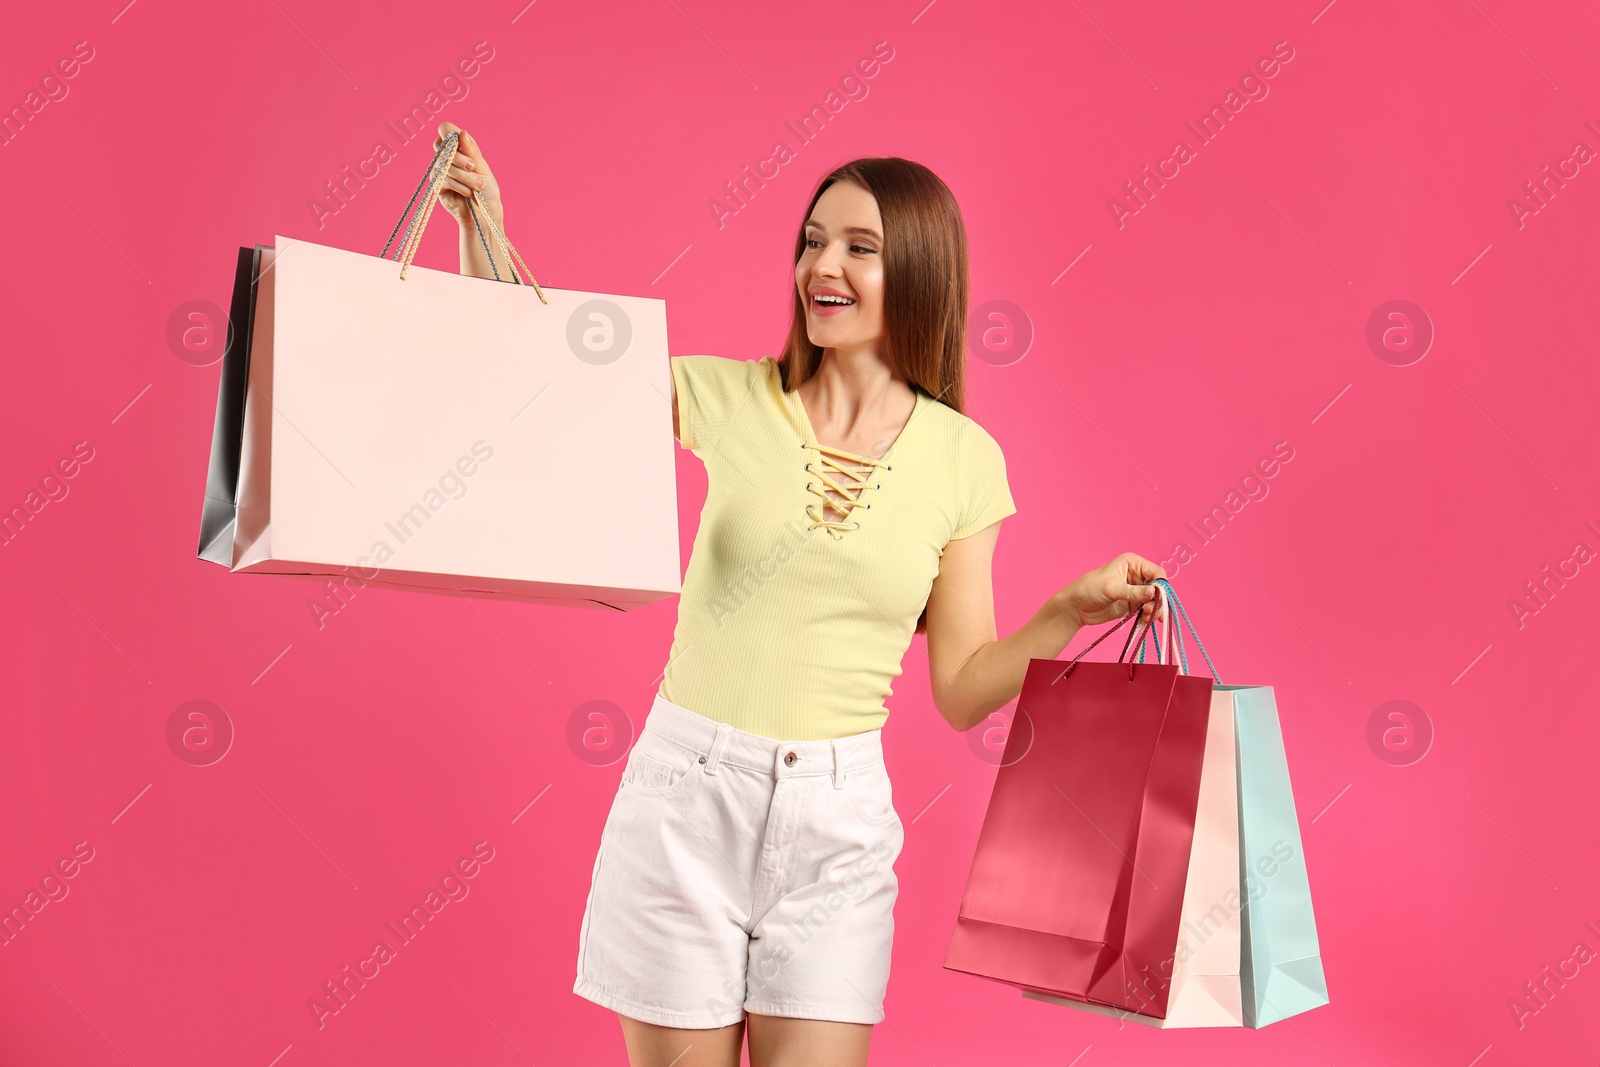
(793, 618)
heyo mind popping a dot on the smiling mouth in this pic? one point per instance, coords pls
(832, 302)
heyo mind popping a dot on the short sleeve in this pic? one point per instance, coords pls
(710, 391)
(985, 492)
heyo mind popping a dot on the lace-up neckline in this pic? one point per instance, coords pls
(849, 474)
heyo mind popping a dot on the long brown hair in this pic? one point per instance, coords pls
(924, 279)
(924, 283)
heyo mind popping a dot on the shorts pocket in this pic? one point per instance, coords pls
(871, 793)
(657, 767)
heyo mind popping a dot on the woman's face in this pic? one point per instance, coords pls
(843, 257)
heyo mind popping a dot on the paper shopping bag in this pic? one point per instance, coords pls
(1204, 968)
(222, 476)
(1281, 957)
(445, 433)
(1077, 885)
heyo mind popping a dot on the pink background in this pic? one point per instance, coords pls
(1228, 314)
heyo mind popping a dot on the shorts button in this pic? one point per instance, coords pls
(790, 758)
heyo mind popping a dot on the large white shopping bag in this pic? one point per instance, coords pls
(423, 429)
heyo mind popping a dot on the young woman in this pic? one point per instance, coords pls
(744, 884)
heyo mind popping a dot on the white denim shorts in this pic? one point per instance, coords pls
(739, 873)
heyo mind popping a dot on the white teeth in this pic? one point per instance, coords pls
(823, 299)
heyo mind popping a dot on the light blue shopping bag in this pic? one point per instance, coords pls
(1280, 961)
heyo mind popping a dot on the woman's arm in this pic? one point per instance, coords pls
(973, 673)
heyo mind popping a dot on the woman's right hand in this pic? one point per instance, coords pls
(468, 172)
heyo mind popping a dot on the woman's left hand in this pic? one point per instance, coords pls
(1112, 591)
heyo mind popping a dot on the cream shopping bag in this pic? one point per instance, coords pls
(422, 429)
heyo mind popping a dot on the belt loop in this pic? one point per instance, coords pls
(838, 766)
(715, 755)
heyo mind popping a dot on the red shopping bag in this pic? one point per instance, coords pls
(1076, 887)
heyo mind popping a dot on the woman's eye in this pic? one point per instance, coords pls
(812, 242)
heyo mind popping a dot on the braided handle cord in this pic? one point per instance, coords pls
(434, 179)
(1172, 596)
(1184, 614)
